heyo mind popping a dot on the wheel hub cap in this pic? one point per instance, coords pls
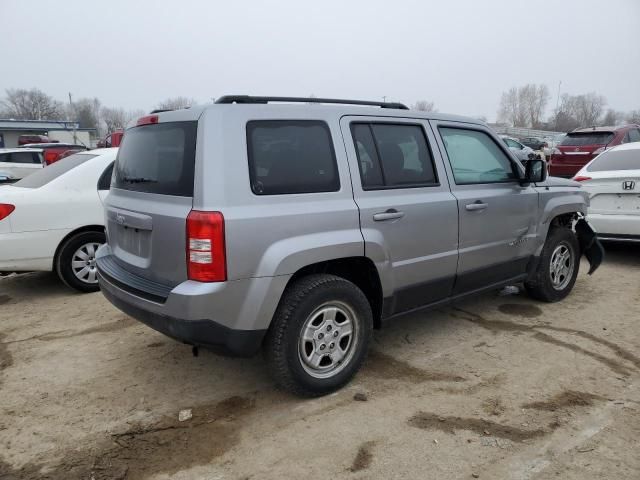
(327, 340)
(561, 268)
(83, 263)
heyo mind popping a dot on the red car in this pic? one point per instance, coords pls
(581, 146)
(32, 138)
(52, 152)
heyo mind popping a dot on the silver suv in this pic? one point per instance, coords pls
(298, 228)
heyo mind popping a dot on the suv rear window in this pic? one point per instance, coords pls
(616, 160)
(291, 156)
(40, 178)
(158, 158)
(588, 138)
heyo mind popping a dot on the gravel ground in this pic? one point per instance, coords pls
(492, 387)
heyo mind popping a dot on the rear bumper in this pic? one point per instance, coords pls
(231, 316)
(202, 333)
(615, 226)
(563, 170)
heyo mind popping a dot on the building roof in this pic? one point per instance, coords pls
(41, 125)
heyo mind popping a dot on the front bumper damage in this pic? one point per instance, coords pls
(590, 246)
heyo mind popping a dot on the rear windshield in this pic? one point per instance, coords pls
(157, 158)
(53, 171)
(616, 160)
(587, 138)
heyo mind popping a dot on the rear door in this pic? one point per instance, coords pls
(577, 148)
(498, 216)
(151, 195)
(408, 216)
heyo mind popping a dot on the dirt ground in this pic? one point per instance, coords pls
(493, 387)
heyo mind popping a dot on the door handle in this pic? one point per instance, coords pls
(477, 205)
(391, 214)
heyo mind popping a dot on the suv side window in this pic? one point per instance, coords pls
(393, 155)
(475, 157)
(291, 156)
(634, 135)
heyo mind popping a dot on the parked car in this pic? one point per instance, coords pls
(534, 143)
(114, 139)
(17, 163)
(612, 180)
(300, 228)
(52, 152)
(581, 146)
(53, 220)
(29, 139)
(522, 152)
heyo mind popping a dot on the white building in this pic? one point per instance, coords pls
(66, 132)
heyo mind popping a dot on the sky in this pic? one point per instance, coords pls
(461, 54)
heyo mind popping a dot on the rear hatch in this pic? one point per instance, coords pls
(615, 188)
(577, 148)
(150, 199)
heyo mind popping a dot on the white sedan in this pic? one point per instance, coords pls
(612, 180)
(53, 219)
(17, 163)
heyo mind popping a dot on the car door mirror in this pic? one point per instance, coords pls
(535, 171)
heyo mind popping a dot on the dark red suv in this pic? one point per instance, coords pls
(579, 147)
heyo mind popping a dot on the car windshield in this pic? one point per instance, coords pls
(616, 160)
(53, 171)
(587, 138)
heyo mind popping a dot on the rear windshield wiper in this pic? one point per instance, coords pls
(138, 180)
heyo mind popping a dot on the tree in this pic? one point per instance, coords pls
(176, 103)
(114, 118)
(425, 106)
(33, 104)
(86, 111)
(577, 111)
(612, 117)
(524, 106)
(633, 117)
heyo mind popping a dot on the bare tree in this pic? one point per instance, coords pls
(176, 103)
(425, 106)
(589, 108)
(612, 117)
(86, 111)
(633, 117)
(113, 118)
(524, 106)
(33, 104)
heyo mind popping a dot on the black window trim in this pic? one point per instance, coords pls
(368, 123)
(505, 149)
(111, 166)
(291, 121)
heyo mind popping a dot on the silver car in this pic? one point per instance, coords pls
(521, 151)
(299, 228)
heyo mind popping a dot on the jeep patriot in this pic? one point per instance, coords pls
(297, 226)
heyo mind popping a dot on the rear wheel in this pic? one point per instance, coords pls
(558, 268)
(319, 336)
(76, 261)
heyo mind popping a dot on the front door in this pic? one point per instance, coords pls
(408, 215)
(498, 215)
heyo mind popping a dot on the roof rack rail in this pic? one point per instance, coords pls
(251, 99)
(160, 110)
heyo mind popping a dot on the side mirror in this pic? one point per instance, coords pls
(535, 171)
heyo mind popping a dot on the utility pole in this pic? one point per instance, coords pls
(384, 98)
(558, 103)
(75, 136)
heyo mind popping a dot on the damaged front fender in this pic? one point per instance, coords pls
(590, 246)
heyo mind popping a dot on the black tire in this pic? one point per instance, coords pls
(283, 343)
(540, 285)
(63, 261)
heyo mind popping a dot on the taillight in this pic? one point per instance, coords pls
(206, 256)
(148, 120)
(50, 156)
(580, 178)
(5, 210)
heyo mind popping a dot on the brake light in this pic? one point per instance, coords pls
(580, 178)
(147, 120)
(50, 156)
(206, 255)
(5, 210)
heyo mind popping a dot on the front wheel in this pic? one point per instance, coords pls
(76, 261)
(557, 270)
(319, 336)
